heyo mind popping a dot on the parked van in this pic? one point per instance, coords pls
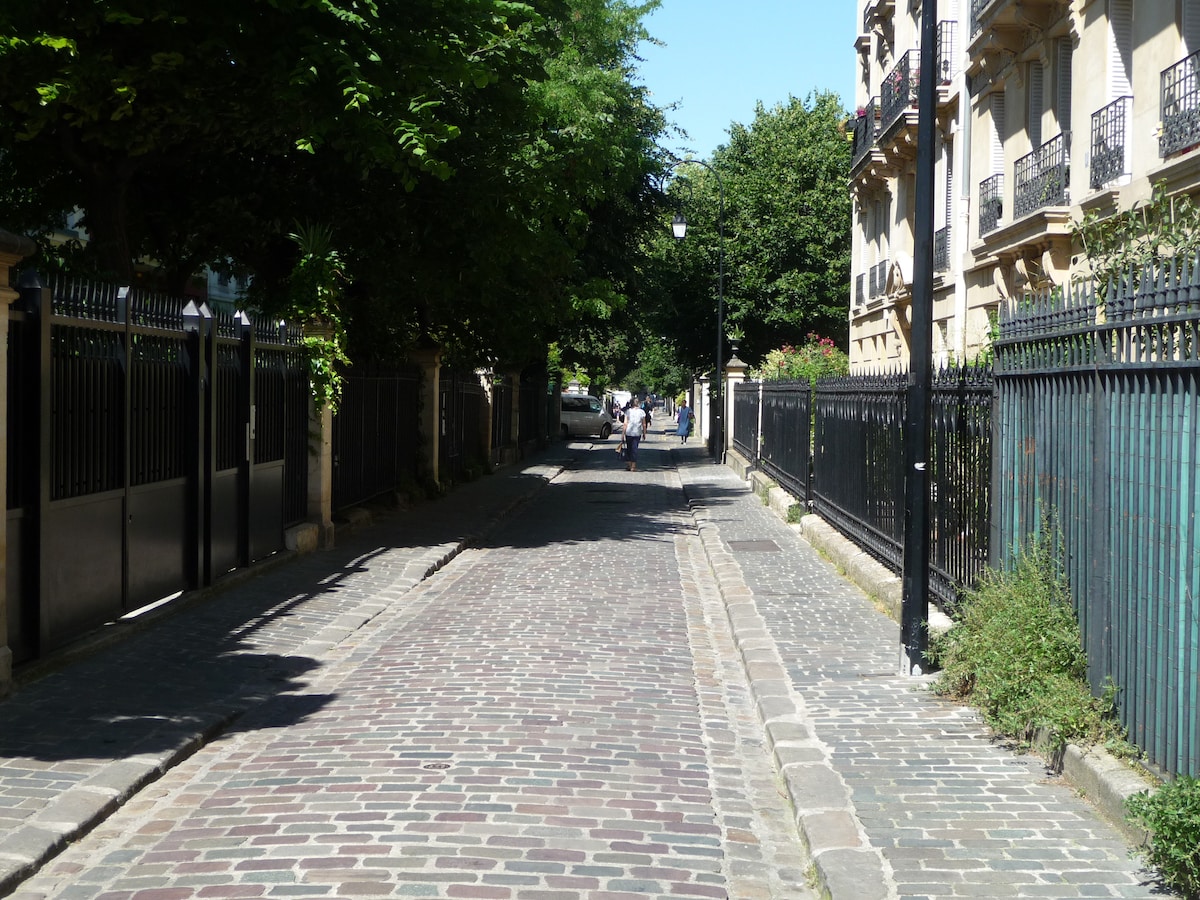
(584, 414)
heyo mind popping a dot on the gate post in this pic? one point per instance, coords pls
(12, 250)
(197, 323)
(429, 361)
(319, 511)
(703, 408)
(735, 373)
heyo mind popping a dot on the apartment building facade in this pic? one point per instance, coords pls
(1046, 109)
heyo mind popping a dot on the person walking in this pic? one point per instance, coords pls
(685, 423)
(635, 430)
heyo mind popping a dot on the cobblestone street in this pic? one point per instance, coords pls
(610, 686)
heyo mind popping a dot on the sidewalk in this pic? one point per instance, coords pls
(896, 794)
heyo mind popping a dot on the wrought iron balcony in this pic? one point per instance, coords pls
(1179, 106)
(866, 127)
(941, 250)
(945, 50)
(977, 8)
(899, 89)
(1110, 149)
(1043, 176)
(860, 288)
(991, 203)
(877, 280)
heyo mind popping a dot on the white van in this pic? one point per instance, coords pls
(584, 414)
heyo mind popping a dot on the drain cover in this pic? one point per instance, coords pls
(436, 766)
(737, 546)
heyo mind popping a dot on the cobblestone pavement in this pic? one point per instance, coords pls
(568, 681)
(558, 712)
(953, 813)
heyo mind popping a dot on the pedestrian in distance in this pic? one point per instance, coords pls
(635, 430)
(685, 423)
(647, 408)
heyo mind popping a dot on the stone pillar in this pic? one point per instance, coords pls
(429, 423)
(735, 373)
(318, 530)
(703, 409)
(12, 250)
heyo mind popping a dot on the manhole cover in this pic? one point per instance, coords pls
(436, 766)
(737, 546)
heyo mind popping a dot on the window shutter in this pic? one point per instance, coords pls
(1191, 26)
(997, 133)
(1120, 50)
(948, 149)
(1035, 84)
(1066, 50)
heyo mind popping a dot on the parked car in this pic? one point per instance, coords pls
(583, 414)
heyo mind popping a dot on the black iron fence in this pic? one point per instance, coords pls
(857, 479)
(786, 435)
(1097, 417)
(746, 397)
(502, 417)
(460, 423)
(375, 435)
(840, 447)
(153, 445)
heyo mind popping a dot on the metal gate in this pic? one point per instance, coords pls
(152, 450)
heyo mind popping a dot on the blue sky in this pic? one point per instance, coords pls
(722, 56)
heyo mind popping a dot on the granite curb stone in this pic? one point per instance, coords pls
(846, 866)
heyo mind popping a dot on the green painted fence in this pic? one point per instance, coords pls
(1097, 422)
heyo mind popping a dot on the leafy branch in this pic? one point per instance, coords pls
(316, 286)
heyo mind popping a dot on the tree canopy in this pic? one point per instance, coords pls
(481, 164)
(786, 239)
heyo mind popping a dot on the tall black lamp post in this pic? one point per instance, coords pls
(679, 230)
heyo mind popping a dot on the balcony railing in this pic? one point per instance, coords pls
(877, 279)
(945, 50)
(1110, 149)
(991, 203)
(1042, 177)
(899, 89)
(941, 250)
(860, 288)
(866, 127)
(1179, 106)
(977, 8)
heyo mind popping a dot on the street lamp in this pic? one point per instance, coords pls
(679, 230)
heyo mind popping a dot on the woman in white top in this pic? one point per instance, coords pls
(635, 429)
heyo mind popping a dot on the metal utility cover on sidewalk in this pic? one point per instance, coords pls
(735, 546)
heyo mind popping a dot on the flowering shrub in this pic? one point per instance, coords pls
(817, 358)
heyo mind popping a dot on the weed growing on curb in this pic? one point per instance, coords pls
(1015, 652)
